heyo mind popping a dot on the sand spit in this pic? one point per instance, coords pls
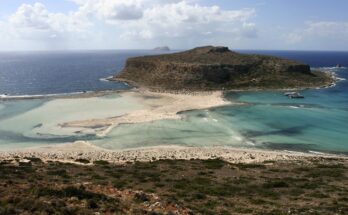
(157, 106)
(84, 150)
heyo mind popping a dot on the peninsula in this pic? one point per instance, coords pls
(218, 68)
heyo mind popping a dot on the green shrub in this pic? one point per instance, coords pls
(214, 163)
(81, 160)
(276, 184)
(101, 162)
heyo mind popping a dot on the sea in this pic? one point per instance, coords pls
(264, 119)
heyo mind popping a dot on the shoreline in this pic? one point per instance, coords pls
(333, 76)
(133, 86)
(82, 150)
(72, 95)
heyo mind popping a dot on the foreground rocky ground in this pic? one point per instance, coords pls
(308, 186)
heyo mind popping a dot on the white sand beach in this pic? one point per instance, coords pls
(156, 106)
(69, 153)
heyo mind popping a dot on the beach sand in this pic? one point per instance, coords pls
(69, 153)
(156, 106)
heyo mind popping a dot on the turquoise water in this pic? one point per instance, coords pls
(319, 122)
(197, 128)
(37, 122)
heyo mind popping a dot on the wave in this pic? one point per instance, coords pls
(332, 68)
(334, 74)
(294, 107)
(340, 79)
(316, 152)
(6, 96)
(107, 79)
(298, 106)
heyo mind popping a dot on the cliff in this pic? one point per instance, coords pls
(213, 68)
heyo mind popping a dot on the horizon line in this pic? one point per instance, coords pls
(171, 50)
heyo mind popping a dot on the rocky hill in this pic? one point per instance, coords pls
(213, 68)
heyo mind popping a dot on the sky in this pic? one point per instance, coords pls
(179, 24)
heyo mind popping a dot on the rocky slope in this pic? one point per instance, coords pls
(213, 68)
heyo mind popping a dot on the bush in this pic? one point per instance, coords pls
(92, 204)
(214, 163)
(276, 184)
(34, 159)
(68, 192)
(81, 160)
(101, 162)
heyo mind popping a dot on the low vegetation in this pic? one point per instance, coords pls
(314, 186)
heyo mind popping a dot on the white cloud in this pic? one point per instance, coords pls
(112, 10)
(31, 16)
(36, 22)
(132, 21)
(183, 20)
(330, 31)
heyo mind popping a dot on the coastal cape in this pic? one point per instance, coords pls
(218, 68)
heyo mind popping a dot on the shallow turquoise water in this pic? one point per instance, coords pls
(198, 128)
(319, 122)
(34, 122)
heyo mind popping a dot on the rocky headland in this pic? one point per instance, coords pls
(218, 68)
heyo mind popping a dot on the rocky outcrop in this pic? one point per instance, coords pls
(162, 48)
(212, 68)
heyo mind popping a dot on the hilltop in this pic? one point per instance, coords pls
(216, 68)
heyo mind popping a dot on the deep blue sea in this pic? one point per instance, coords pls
(318, 123)
(37, 73)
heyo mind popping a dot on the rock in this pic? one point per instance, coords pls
(24, 161)
(142, 197)
(218, 68)
(162, 48)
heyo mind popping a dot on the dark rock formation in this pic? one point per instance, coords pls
(162, 48)
(211, 68)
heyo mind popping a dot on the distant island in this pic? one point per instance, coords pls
(162, 48)
(218, 68)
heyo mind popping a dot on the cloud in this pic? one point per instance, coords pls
(36, 22)
(28, 16)
(132, 21)
(171, 21)
(112, 10)
(329, 31)
(184, 20)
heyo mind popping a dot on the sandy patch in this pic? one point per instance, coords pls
(156, 106)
